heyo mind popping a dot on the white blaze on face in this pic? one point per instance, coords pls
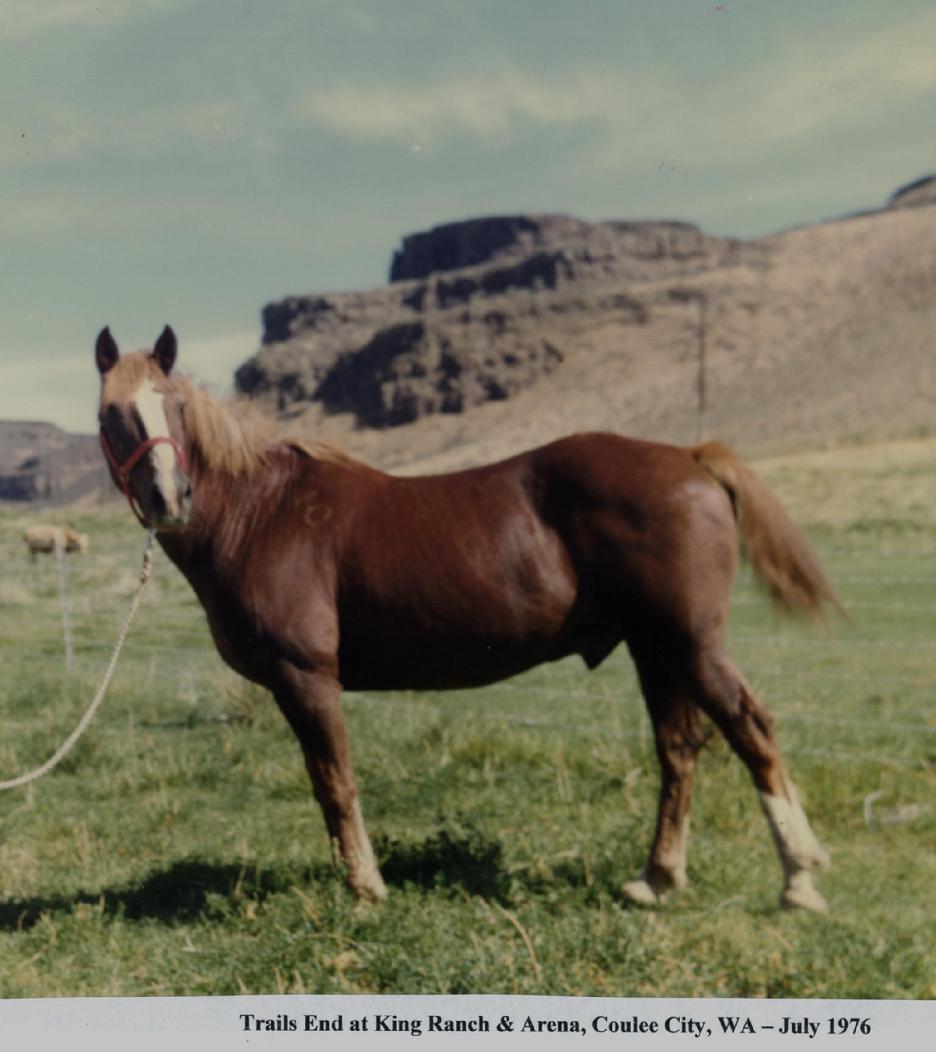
(149, 403)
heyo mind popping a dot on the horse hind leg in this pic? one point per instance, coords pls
(311, 703)
(748, 728)
(679, 735)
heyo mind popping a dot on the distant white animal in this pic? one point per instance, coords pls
(41, 538)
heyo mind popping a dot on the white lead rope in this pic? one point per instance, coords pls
(63, 749)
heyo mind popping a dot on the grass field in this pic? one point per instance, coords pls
(177, 849)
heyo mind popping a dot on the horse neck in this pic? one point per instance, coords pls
(222, 436)
(226, 509)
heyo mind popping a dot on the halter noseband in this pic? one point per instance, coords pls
(122, 471)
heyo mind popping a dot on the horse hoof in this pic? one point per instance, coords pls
(803, 897)
(640, 893)
(370, 891)
(373, 894)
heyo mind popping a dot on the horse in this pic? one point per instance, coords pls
(43, 538)
(318, 573)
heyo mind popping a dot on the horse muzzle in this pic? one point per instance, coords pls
(168, 514)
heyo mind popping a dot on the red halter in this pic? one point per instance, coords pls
(122, 471)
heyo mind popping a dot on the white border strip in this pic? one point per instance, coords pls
(300, 1021)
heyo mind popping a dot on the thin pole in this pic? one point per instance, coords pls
(59, 544)
(703, 303)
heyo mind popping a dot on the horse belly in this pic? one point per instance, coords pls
(456, 602)
(472, 644)
(437, 662)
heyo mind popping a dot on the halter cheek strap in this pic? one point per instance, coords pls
(121, 472)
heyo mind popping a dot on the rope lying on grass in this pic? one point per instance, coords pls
(65, 747)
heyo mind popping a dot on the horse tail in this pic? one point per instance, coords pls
(774, 545)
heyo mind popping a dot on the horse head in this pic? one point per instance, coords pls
(142, 432)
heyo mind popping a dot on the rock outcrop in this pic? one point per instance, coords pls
(475, 312)
(497, 334)
(41, 463)
(913, 195)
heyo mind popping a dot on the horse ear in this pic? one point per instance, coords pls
(106, 351)
(164, 353)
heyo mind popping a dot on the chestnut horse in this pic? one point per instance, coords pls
(317, 572)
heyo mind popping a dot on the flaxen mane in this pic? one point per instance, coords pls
(235, 437)
(231, 436)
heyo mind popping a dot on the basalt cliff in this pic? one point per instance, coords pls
(498, 333)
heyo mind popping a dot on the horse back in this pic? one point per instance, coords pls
(555, 551)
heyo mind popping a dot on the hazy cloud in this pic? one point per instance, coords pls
(27, 18)
(830, 80)
(484, 106)
(807, 88)
(60, 389)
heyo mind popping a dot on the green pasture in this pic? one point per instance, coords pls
(177, 850)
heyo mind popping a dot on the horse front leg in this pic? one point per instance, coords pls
(311, 702)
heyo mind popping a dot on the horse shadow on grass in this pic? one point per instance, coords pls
(454, 857)
(192, 888)
(179, 894)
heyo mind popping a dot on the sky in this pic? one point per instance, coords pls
(188, 161)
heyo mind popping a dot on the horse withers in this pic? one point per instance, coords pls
(318, 573)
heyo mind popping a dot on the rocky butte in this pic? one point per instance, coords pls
(475, 312)
(498, 333)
